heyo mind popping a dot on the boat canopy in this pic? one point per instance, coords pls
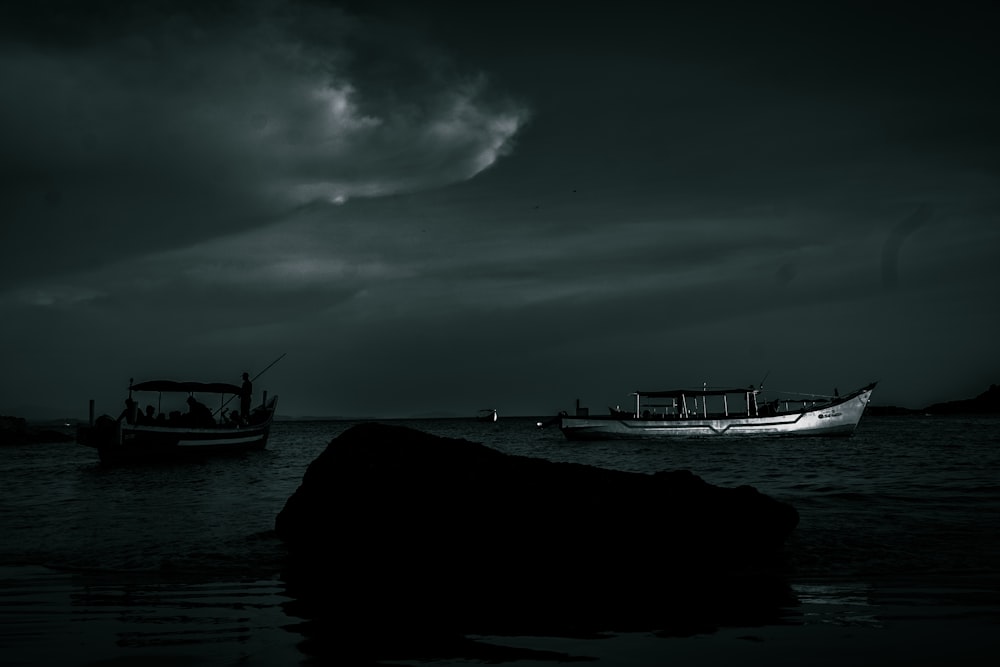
(677, 393)
(188, 387)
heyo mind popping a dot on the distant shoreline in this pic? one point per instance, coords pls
(986, 403)
(18, 429)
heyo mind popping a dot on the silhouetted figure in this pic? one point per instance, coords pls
(150, 416)
(129, 413)
(198, 413)
(235, 419)
(246, 394)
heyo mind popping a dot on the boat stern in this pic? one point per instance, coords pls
(102, 433)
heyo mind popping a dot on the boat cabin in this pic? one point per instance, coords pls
(708, 403)
(188, 404)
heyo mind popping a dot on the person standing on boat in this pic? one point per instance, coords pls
(129, 413)
(751, 401)
(246, 394)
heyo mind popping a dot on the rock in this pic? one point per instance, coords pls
(400, 528)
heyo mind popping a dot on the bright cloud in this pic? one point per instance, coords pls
(156, 134)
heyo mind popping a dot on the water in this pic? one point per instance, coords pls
(899, 542)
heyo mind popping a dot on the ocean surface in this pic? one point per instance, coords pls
(896, 559)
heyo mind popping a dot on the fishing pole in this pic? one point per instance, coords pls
(266, 368)
(271, 364)
(761, 385)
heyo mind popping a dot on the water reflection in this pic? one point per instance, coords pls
(64, 618)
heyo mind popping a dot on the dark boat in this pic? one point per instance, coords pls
(487, 415)
(174, 435)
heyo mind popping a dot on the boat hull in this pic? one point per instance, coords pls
(116, 442)
(839, 418)
(138, 444)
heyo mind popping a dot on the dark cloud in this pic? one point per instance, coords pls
(444, 206)
(161, 126)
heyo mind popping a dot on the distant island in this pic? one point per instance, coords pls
(987, 403)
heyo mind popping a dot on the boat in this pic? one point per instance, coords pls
(487, 415)
(171, 433)
(725, 412)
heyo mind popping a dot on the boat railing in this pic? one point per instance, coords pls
(720, 406)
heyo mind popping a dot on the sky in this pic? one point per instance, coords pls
(432, 208)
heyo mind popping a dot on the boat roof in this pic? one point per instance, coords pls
(677, 393)
(187, 387)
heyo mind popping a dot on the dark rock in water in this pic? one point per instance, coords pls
(396, 528)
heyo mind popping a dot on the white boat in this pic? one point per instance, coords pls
(487, 415)
(730, 412)
(170, 435)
